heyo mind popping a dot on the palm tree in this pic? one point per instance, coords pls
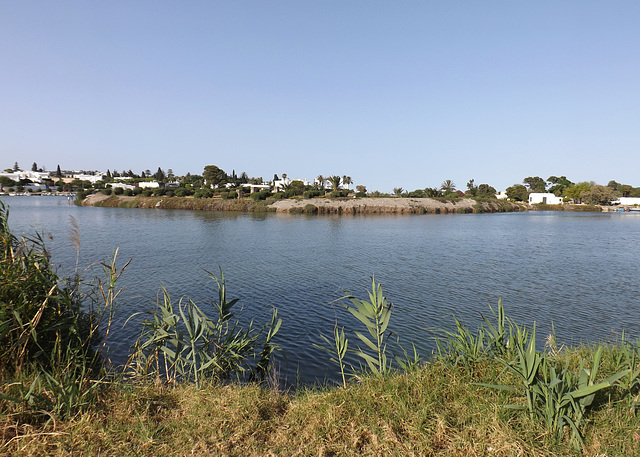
(398, 191)
(448, 185)
(335, 181)
(320, 180)
(346, 180)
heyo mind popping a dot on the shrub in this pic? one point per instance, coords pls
(361, 194)
(147, 193)
(183, 192)
(313, 193)
(118, 190)
(203, 193)
(310, 209)
(107, 191)
(128, 192)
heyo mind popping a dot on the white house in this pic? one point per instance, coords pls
(627, 201)
(149, 184)
(544, 197)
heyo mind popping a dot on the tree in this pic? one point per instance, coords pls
(58, 172)
(558, 185)
(448, 186)
(535, 184)
(472, 188)
(361, 189)
(335, 181)
(398, 191)
(599, 195)
(213, 175)
(574, 192)
(486, 190)
(518, 193)
(346, 180)
(432, 192)
(159, 175)
(16, 167)
(34, 167)
(320, 181)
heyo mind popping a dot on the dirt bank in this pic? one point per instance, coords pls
(311, 206)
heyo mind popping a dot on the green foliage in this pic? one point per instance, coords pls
(183, 343)
(535, 184)
(313, 193)
(310, 209)
(213, 175)
(556, 396)
(50, 350)
(203, 193)
(518, 193)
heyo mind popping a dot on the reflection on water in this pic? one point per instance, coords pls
(576, 270)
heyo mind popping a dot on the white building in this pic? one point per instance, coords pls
(149, 184)
(627, 201)
(544, 197)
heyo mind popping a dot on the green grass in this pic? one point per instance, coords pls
(486, 392)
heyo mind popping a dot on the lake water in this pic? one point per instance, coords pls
(578, 271)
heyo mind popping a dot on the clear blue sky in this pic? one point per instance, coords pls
(394, 94)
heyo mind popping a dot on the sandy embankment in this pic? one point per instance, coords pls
(376, 205)
(389, 205)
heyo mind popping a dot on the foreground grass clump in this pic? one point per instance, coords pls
(434, 410)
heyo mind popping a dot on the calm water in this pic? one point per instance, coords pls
(578, 271)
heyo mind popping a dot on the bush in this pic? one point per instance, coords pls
(262, 195)
(107, 191)
(147, 193)
(183, 192)
(128, 192)
(310, 209)
(278, 196)
(339, 194)
(313, 193)
(203, 193)
(118, 190)
(361, 194)
(229, 195)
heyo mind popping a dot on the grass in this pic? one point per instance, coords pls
(488, 392)
(435, 410)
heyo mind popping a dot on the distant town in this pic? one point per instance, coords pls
(215, 182)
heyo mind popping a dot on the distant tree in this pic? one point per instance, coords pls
(319, 182)
(213, 175)
(170, 174)
(346, 180)
(115, 173)
(599, 195)
(448, 185)
(58, 172)
(518, 193)
(34, 167)
(486, 190)
(614, 185)
(432, 192)
(472, 188)
(535, 183)
(361, 188)
(575, 192)
(159, 175)
(7, 182)
(244, 178)
(625, 190)
(335, 181)
(558, 185)
(398, 191)
(275, 178)
(108, 174)
(16, 167)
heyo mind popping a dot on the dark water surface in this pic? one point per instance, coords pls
(578, 271)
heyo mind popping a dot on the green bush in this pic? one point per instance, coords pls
(107, 191)
(118, 190)
(147, 193)
(183, 192)
(361, 194)
(313, 193)
(128, 192)
(203, 193)
(310, 209)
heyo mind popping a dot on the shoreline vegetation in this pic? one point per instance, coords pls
(198, 384)
(345, 205)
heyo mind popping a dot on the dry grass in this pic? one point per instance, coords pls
(432, 411)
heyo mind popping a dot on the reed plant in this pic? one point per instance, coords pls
(181, 342)
(50, 357)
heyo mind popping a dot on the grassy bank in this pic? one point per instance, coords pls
(197, 383)
(434, 410)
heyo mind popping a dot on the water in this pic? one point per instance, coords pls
(575, 270)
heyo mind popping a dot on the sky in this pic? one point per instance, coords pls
(393, 94)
